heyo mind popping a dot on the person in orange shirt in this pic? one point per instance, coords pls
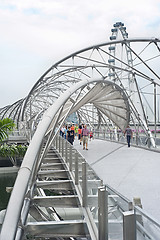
(91, 135)
(80, 134)
(72, 127)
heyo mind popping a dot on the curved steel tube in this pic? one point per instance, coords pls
(30, 160)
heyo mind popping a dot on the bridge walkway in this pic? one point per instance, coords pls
(133, 172)
(69, 199)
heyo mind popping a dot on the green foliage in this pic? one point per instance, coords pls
(12, 150)
(6, 126)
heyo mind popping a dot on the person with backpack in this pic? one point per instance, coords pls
(70, 135)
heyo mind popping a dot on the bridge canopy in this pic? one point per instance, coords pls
(95, 99)
(105, 86)
(128, 63)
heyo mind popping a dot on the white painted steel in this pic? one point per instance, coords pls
(131, 65)
(30, 163)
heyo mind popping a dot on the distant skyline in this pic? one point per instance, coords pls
(36, 34)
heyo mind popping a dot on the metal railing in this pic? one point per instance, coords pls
(110, 214)
(139, 138)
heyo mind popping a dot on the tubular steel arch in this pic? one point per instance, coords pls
(70, 101)
(91, 63)
(130, 63)
(99, 90)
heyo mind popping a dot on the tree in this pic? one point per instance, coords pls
(12, 151)
(6, 126)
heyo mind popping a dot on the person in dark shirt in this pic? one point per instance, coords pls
(70, 135)
(129, 134)
(80, 134)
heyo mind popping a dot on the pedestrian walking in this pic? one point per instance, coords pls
(65, 132)
(70, 135)
(80, 134)
(72, 127)
(76, 130)
(91, 135)
(85, 133)
(129, 134)
(62, 131)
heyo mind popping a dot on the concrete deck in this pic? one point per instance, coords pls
(134, 172)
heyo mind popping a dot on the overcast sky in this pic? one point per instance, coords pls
(34, 34)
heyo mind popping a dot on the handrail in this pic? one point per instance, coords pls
(136, 210)
(143, 212)
(138, 140)
(31, 161)
(141, 228)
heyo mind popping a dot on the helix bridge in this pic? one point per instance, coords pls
(57, 195)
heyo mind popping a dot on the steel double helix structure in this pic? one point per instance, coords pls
(128, 64)
(107, 86)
